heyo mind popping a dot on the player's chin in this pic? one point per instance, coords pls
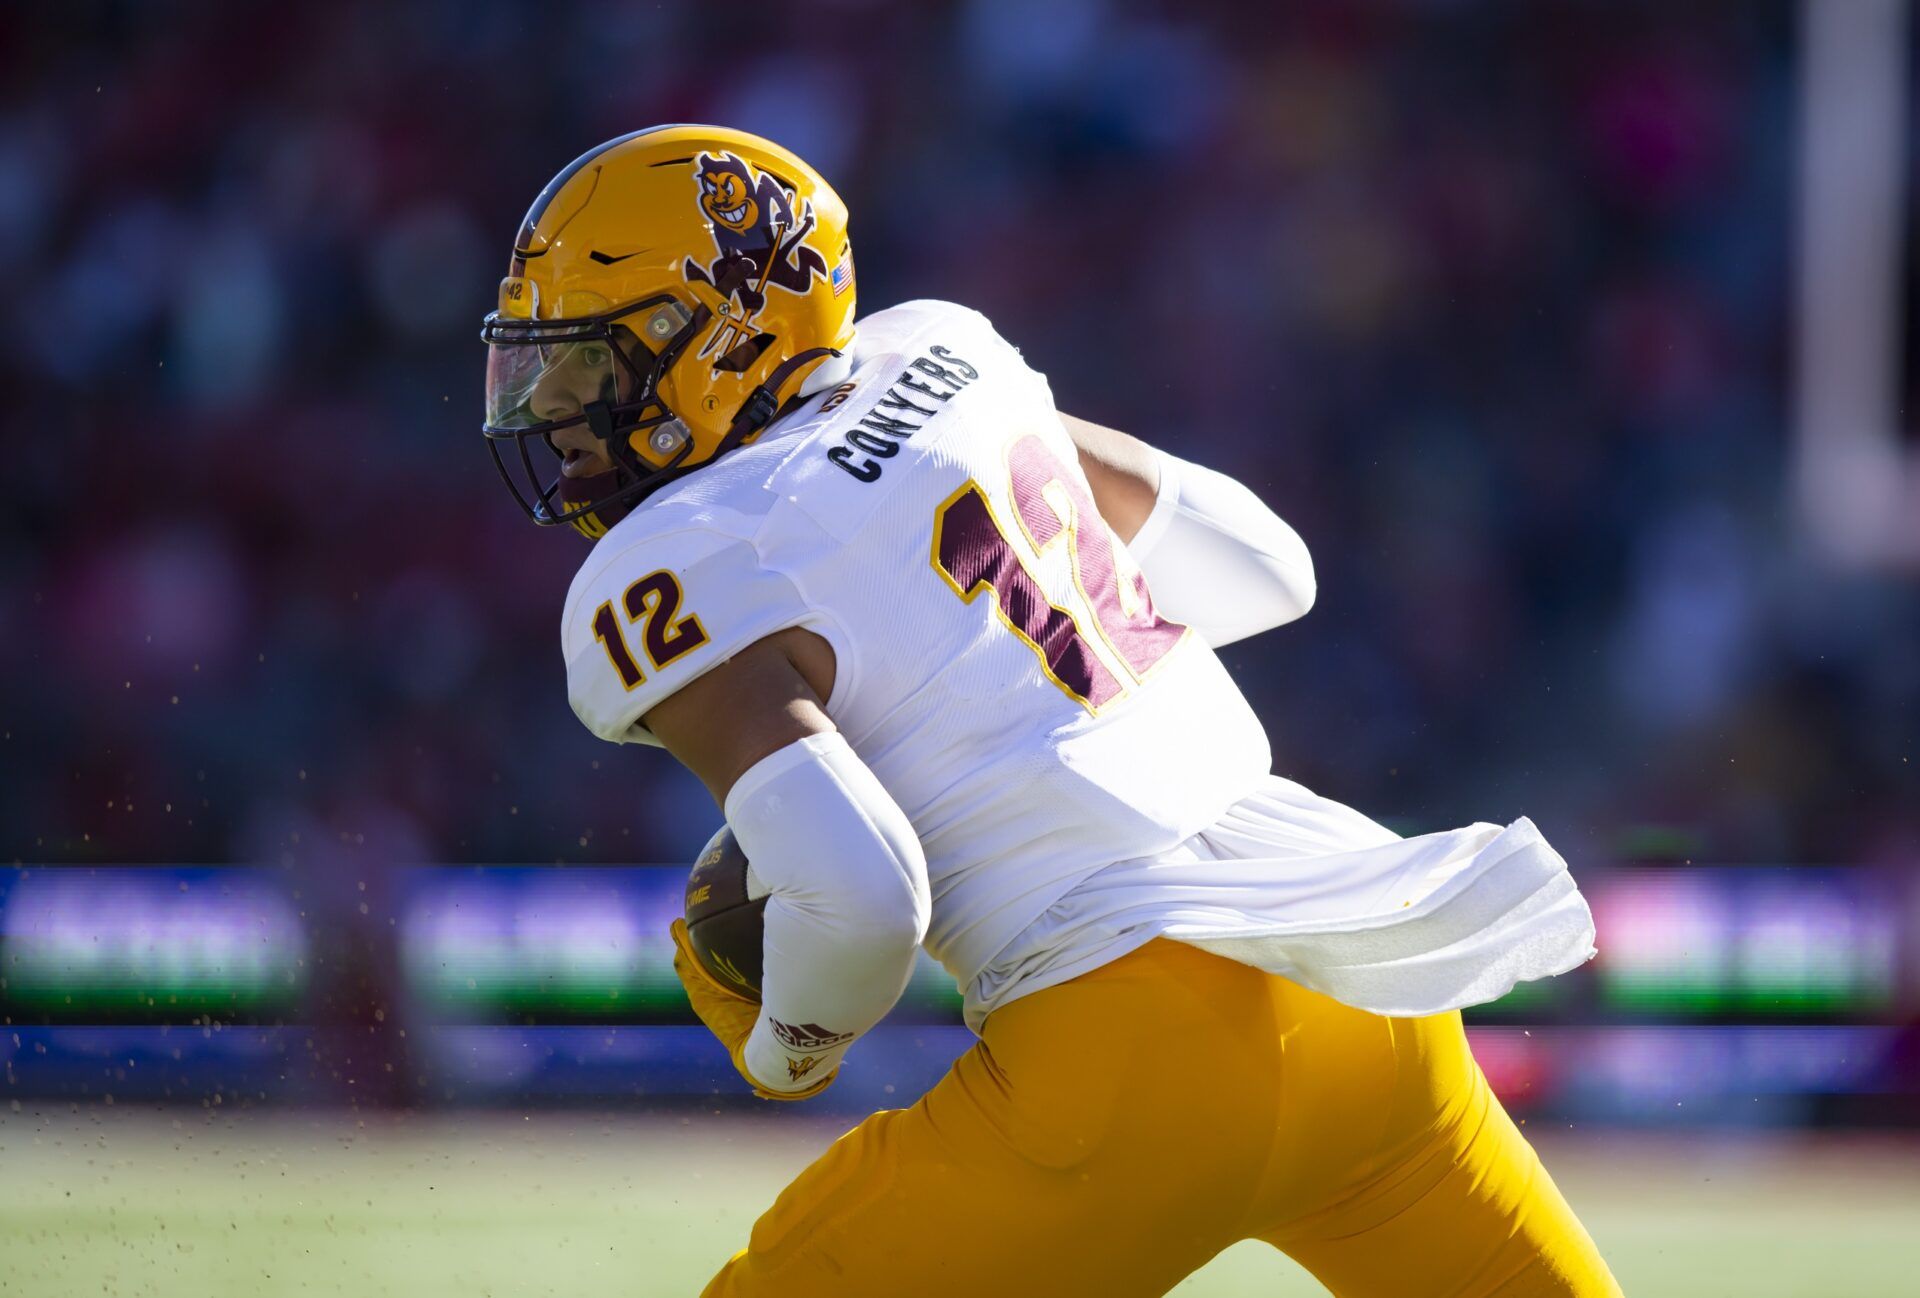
(585, 488)
(580, 466)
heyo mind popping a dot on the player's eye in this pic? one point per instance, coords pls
(595, 354)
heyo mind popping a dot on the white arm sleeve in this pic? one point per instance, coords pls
(847, 904)
(1218, 559)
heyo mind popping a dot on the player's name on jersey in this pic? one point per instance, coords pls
(912, 399)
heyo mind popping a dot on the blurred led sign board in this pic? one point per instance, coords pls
(92, 943)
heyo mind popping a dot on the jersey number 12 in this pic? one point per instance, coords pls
(653, 605)
(973, 552)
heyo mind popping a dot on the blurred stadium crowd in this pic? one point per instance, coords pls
(1491, 301)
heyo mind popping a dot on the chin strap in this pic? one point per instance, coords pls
(763, 403)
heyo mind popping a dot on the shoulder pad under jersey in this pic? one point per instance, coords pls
(925, 371)
(656, 605)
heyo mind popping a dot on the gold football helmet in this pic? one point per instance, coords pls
(671, 290)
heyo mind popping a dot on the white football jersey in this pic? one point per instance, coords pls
(1000, 664)
(1081, 771)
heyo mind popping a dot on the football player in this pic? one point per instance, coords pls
(945, 656)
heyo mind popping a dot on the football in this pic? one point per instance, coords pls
(726, 913)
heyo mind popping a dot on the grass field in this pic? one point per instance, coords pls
(123, 1201)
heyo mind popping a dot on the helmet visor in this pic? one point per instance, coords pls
(600, 370)
(541, 375)
(532, 383)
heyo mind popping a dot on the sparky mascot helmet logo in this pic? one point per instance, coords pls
(726, 197)
(761, 242)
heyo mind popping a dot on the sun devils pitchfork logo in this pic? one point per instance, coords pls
(761, 242)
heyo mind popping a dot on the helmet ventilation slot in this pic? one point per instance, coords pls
(742, 356)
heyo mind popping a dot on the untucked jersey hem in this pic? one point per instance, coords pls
(1121, 944)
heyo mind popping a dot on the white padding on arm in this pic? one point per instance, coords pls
(847, 904)
(1217, 558)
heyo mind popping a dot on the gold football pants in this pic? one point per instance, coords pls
(1109, 1135)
